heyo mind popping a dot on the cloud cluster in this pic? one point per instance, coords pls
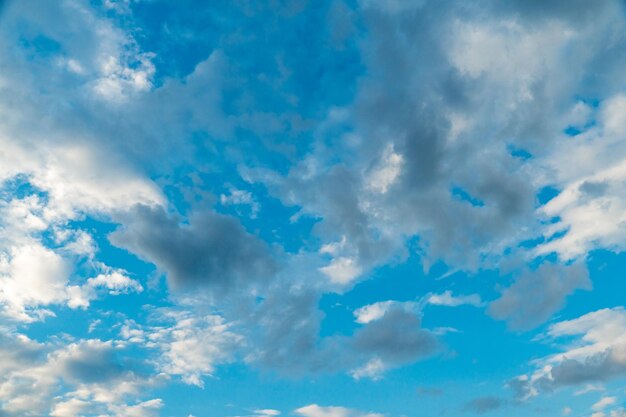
(455, 118)
(210, 250)
(536, 295)
(186, 345)
(85, 377)
(595, 353)
(314, 410)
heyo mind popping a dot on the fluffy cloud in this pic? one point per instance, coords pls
(536, 295)
(85, 376)
(589, 208)
(377, 310)
(394, 338)
(315, 410)
(457, 122)
(287, 335)
(432, 148)
(187, 345)
(597, 353)
(211, 250)
(32, 276)
(450, 300)
(114, 282)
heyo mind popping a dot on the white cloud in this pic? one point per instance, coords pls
(590, 207)
(266, 412)
(31, 277)
(314, 410)
(372, 312)
(70, 408)
(449, 300)
(241, 198)
(386, 172)
(189, 346)
(66, 380)
(114, 281)
(603, 403)
(373, 369)
(589, 388)
(118, 80)
(595, 353)
(342, 270)
(144, 409)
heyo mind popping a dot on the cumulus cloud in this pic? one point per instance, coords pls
(212, 250)
(314, 410)
(63, 379)
(396, 338)
(436, 158)
(187, 345)
(288, 329)
(596, 353)
(536, 295)
(377, 310)
(33, 276)
(115, 282)
(448, 299)
(589, 208)
(460, 117)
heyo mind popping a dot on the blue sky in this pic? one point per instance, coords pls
(342, 208)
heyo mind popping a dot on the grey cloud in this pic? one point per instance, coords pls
(212, 250)
(35, 376)
(596, 355)
(594, 189)
(286, 326)
(483, 405)
(404, 101)
(572, 10)
(536, 295)
(18, 352)
(396, 338)
(91, 362)
(601, 367)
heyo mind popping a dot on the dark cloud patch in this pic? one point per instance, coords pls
(91, 362)
(287, 330)
(596, 355)
(483, 405)
(536, 295)
(599, 368)
(594, 189)
(16, 352)
(211, 250)
(288, 323)
(575, 11)
(396, 338)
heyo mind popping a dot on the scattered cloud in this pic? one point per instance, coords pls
(484, 405)
(536, 295)
(449, 300)
(594, 355)
(314, 410)
(212, 250)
